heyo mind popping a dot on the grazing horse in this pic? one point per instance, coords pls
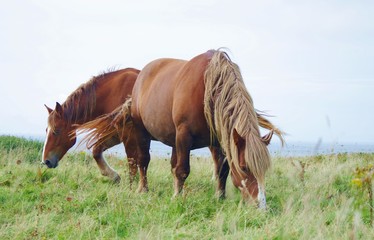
(118, 123)
(194, 104)
(101, 95)
(198, 103)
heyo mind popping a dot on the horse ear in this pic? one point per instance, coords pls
(48, 109)
(58, 108)
(267, 138)
(237, 138)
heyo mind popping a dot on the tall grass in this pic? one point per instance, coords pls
(308, 198)
(29, 150)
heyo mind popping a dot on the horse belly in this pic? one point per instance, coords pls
(156, 115)
(160, 129)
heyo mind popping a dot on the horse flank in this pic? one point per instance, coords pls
(228, 106)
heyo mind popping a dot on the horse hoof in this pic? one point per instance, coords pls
(142, 190)
(220, 195)
(116, 179)
(177, 194)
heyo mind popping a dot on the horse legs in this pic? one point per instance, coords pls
(221, 170)
(143, 161)
(131, 160)
(143, 142)
(173, 163)
(181, 168)
(104, 167)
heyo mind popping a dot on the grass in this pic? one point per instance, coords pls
(308, 198)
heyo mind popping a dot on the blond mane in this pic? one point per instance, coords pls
(228, 106)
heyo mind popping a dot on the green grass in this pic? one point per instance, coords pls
(16, 146)
(74, 201)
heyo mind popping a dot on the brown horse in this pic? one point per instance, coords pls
(101, 95)
(193, 104)
(198, 103)
(118, 123)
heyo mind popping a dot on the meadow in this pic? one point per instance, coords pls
(315, 197)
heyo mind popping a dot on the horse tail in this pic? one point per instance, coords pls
(107, 126)
(97, 131)
(229, 110)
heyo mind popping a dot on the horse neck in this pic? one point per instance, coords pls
(76, 113)
(94, 102)
(80, 105)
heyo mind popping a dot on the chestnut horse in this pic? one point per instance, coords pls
(101, 95)
(118, 123)
(189, 105)
(198, 103)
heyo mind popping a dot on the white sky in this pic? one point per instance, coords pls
(308, 63)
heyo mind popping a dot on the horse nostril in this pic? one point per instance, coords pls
(48, 163)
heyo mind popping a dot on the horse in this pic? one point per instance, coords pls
(118, 123)
(100, 95)
(199, 103)
(193, 104)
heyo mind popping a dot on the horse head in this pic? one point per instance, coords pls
(251, 187)
(60, 137)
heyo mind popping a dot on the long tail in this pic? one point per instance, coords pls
(97, 131)
(107, 126)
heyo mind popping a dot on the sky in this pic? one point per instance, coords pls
(309, 64)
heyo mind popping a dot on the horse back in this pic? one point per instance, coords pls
(115, 89)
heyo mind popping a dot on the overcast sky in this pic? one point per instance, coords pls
(308, 63)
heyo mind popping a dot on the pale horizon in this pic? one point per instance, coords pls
(309, 64)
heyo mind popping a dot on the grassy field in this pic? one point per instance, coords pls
(308, 198)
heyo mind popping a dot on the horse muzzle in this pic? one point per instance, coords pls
(50, 163)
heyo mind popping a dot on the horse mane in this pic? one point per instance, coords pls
(228, 106)
(80, 104)
(265, 123)
(106, 126)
